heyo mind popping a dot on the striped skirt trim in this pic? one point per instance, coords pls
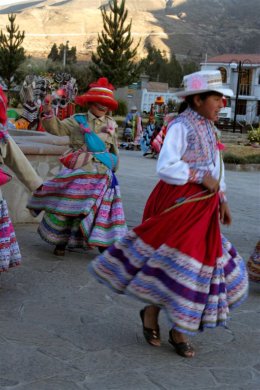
(194, 296)
(82, 209)
(10, 255)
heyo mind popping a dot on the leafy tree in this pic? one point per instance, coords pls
(115, 57)
(154, 64)
(159, 68)
(71, 56)
(11, 52)
(189, 67)
(175, 72)
(57, 54)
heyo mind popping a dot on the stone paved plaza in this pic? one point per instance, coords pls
(61, 330)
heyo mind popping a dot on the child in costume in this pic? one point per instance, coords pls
(177, 259)
(133, 128)
(13, 157)
(82, 204)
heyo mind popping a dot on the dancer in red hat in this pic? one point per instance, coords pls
(82, 204)
(12, 156)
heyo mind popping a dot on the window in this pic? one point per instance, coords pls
(258, 108)
(241, 107)
(223, 72)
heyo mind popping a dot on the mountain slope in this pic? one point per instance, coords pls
(190, 28)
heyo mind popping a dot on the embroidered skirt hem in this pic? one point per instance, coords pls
(82, 209)
(193, 296)
(178, 260)
(10, 255)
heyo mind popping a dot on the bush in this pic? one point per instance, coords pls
(254, 135)
(122, 108)
(233, 159)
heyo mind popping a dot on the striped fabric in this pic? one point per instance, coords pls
(194, 296)
(9, 250)
(82, 209)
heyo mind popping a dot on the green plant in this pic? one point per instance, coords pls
(122, 108)
(254, 135)
(234, 159)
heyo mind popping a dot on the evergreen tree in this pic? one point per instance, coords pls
(175, 73)
(57, 54)
(115, 58)
(11, 52)
(155, 64)
(189, 67)
(54, 53)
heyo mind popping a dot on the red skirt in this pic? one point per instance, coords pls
(192, 228)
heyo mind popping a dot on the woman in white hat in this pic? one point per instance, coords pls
(82, 204)
(177, 259)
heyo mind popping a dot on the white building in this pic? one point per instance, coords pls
(151, 90)
(145, 92)
(241, 73)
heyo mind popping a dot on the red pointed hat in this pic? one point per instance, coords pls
(101, 91)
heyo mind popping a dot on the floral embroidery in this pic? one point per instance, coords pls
(196, 83)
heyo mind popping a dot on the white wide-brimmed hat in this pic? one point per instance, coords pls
(204, 81)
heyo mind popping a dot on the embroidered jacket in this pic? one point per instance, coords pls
(105, 127)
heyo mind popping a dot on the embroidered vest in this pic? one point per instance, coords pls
(202, 143)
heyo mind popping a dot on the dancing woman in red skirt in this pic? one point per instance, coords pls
(177, 259)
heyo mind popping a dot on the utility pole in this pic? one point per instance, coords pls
(239, 69)
(65, 54)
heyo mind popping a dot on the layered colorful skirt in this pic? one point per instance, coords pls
(178, 260)
(10, 255)
(82, 209)
(254, 264)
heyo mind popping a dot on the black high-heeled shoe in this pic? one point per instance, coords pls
(59, 250)
(150, 335)
(183, 348)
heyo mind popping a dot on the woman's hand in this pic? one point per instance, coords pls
(210, 183)
(225, 214)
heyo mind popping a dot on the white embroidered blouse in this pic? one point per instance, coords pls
(190, 151)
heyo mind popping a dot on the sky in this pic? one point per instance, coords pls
(10, 2)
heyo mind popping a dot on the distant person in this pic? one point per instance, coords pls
(12, 156)
(82, 204)
(177, 259)
(133, 128)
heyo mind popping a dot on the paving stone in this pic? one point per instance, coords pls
(61, 330)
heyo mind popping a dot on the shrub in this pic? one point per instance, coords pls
(234, 159)
(122, 108)
(254, 135)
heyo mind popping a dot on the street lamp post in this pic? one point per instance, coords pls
(238, 67)
(65, 54)
(238, 70)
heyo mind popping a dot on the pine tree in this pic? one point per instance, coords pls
(11, 52)
(154, 64)
(54, 53)
(115, 58)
